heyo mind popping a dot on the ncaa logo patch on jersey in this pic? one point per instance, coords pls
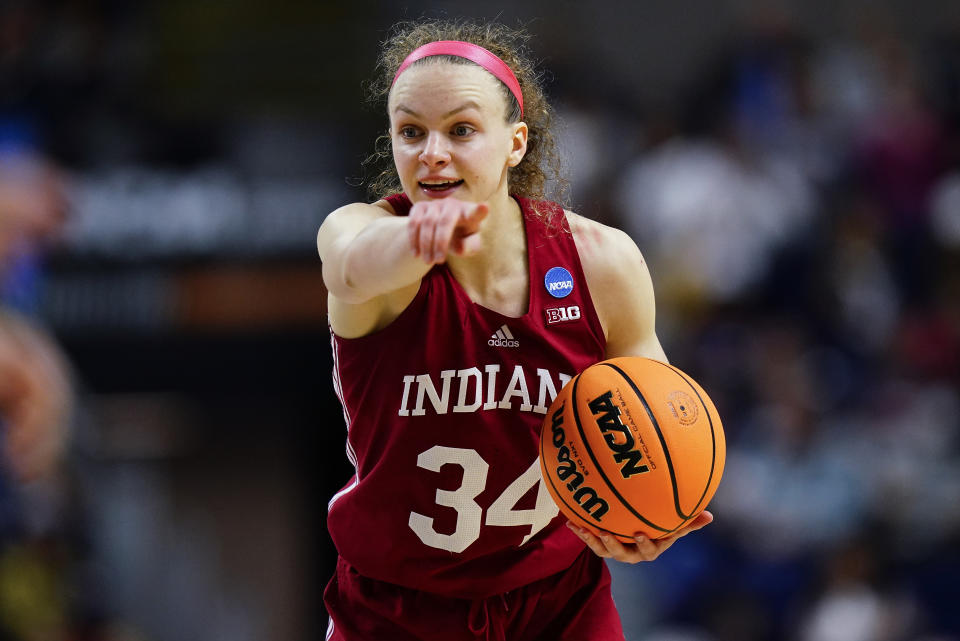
(559, 282)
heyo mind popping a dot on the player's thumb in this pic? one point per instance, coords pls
(703, 519)
(476, 214)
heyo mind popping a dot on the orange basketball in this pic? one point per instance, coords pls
(632, 445)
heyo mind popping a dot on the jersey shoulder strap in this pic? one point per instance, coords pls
(400, 203)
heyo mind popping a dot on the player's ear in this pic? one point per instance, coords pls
(518, 142)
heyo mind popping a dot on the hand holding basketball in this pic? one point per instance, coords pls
(645, 548)
(436, 227)
(632, 451)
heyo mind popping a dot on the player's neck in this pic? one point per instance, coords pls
(499, 270)
(503, 236)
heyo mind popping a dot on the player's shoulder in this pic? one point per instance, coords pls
(347, 220)
(602, 248)
(619, 282)
(362, 209)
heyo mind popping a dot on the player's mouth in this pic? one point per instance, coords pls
(439, 188)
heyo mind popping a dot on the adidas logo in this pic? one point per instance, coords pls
(503, 338)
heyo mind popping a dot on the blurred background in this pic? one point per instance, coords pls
(791, 171)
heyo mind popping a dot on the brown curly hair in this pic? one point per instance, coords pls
(541, 166)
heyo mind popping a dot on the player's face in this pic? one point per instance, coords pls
(449, 133)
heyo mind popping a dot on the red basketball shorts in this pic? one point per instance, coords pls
(574, 605)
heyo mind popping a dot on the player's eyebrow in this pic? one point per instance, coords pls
(467, 105)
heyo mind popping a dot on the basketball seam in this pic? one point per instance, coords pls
(610, 486)
(713, 435)
(663, 441)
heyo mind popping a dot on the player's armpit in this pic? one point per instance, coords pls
(350, 320)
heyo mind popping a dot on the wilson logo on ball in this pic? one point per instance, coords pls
(617, 436)
(583, 495)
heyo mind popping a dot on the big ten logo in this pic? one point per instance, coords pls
(562, 314)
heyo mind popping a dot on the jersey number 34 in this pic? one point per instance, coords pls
(469, 513)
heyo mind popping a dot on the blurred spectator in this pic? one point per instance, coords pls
(36, 400)
(791, 484)
(35, 404)
(33, 208)
(946, 211)
(900, 140)
(862, 285)
(35, 395)
(709, 217)
(851, 605)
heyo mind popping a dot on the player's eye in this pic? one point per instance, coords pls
(409, 131)
(462, 130)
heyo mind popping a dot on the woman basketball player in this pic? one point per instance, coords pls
(459, 305)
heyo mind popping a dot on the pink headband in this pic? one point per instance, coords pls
(473, 53)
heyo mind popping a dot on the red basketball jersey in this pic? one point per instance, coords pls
(443, 410)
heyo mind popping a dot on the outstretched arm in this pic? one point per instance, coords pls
(366, 253)
(373, 260)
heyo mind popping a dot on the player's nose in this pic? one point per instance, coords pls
(435, 150)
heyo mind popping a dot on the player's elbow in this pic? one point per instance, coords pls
(339, 279)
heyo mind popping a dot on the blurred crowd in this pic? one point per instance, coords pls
(799, 206)
(36, 399)
(801, 221)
